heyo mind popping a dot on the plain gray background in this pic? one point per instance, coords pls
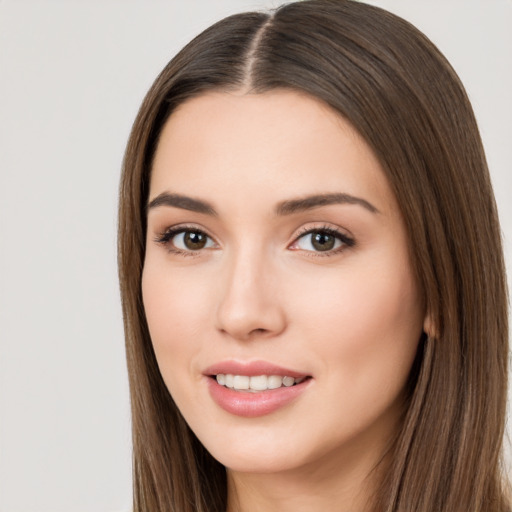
(72, 76)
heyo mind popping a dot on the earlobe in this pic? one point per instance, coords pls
(428, 326)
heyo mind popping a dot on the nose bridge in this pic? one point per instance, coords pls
(248, 294)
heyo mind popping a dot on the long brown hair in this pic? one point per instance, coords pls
(400, 93)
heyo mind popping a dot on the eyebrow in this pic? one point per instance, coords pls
(307, 203)
(183, 202)
(287, 207)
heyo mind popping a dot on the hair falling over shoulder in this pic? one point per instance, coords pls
(391, 83)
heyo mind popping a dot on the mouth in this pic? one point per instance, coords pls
(256, 383)
(257, 388)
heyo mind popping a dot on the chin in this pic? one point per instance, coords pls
(256, 461)
(255, 451)
(268, 450)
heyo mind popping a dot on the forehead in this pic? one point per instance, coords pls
(272, 145)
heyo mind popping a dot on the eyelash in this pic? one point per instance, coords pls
(166, 238)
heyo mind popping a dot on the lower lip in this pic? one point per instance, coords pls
(251, 405)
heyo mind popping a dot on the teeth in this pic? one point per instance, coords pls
(228, 381)
(257, 383)
(288, 381)
(240, 382)
(274, 382)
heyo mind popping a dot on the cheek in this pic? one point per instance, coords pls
(175, 311)
(364, 333)
(367, 320)
(173, 300)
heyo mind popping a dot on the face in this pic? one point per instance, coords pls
(277, 285)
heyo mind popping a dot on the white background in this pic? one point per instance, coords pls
(72, 75)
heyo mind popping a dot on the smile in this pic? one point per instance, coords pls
(256, 383)
(254, 388)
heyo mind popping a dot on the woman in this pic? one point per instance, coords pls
(312, 276)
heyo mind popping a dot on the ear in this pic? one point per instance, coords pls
(428, 326)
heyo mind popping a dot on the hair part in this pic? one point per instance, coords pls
(391, 83)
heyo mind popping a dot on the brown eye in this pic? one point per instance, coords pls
(323, 241)
(186, 240)
(194, 240)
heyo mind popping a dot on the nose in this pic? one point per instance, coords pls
(249, 301)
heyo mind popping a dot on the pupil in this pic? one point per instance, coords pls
(194, 240)
(323, 241)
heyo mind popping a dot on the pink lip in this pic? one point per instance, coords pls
(251, 369)
(251, 405)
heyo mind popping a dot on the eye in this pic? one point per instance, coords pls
(192, 240)
(186, 240)
(322, 240)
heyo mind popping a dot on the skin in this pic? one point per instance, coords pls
(350, 318)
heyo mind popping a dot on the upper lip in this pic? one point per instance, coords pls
(251, 369)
